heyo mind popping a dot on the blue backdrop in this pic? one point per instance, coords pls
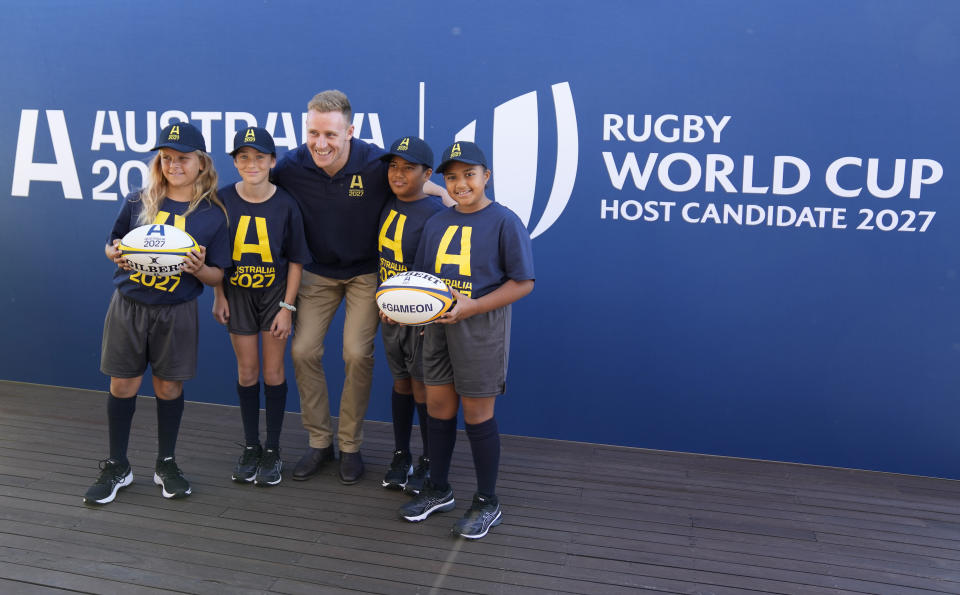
(745, 212)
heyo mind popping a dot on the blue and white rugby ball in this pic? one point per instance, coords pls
(414, 298)
(157, 249)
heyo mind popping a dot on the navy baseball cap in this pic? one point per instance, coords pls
(411, 148)
(181, 136)
(463, 151)
(255, 137)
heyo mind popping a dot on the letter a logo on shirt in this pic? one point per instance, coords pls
(262, 247)
(394, 243)
(461, 260)
(356, 186)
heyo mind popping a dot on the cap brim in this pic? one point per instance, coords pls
(177, 147)
(443, 165)
(260, 148)
(390, 154)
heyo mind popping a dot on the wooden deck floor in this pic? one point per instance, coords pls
(578, 518)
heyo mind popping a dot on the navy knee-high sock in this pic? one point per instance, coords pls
(443, 437)
(169, 414)
(424, 427)
(249, 397)
(119, 418)
(485, 445)
(402, 407)
(276, 404)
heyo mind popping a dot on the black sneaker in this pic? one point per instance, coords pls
(247, 465)
(269, 473)
(476, 522)
(113, 476)
(400, 469)
(427, 502)
(421, 473)
(169, 476)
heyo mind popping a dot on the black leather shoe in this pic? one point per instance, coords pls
(312, 462)
(351, 467)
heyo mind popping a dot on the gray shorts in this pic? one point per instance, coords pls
(472, 354)
(252, 311)
(162, 335)
(404, 348)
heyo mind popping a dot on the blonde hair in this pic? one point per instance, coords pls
(332, 101)
(204, 189)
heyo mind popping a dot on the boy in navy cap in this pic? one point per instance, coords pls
(481, 250)
(410, 164)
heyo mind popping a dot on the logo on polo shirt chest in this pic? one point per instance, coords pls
(356, 187)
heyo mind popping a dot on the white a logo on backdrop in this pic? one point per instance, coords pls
(516, 148)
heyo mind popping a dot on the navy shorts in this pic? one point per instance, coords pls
(471, 354)
(137, 334)
(252, 311)
(404, 348)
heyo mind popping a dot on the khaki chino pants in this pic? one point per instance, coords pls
(317, 302)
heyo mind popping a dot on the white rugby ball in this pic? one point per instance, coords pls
(157, 249)
(414, 298)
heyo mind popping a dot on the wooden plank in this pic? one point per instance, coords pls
(844, 561)
(10, 587)
(20, 569)
(134, 559)
(873, 547)
(944, 512)
(244, 566)
(346, 584)
(762, 568)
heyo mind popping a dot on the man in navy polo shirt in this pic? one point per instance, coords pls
(341, 186)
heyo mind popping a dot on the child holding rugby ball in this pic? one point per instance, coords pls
(410, 165)
(153, 320)
(481, 250)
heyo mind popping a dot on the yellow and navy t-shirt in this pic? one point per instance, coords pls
(475, 253)
(264, 238)
(208, 226)
(401, 224)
